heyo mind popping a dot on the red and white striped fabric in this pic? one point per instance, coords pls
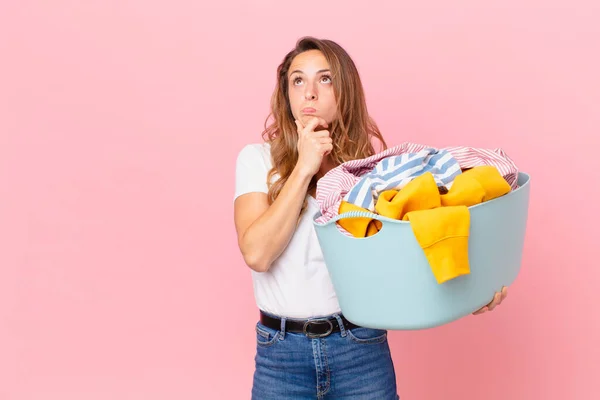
(332, 188)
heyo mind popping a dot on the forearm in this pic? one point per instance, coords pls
(267, 237)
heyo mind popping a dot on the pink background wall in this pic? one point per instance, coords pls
(120, 276)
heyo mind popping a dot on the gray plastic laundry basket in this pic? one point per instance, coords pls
(385, 281)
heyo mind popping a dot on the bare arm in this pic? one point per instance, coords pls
(264, 231)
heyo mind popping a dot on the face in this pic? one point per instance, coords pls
(310, 87)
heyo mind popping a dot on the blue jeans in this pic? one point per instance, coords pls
(351, 364)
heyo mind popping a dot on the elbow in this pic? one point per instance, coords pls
(255, 255)
(256, 262)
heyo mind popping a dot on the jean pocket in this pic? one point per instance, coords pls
(367, 335)
(265, 336)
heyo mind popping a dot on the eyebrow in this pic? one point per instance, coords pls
(318, 72)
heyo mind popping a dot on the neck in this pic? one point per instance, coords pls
(326, 165)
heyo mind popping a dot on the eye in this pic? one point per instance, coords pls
(326, 79)
(297, 80)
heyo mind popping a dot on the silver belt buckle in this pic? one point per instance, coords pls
(317, 322)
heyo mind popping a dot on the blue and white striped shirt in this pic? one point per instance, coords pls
(395, 172)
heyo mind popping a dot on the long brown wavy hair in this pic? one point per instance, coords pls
(352, 130)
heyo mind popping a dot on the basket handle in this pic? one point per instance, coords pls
(359, 214)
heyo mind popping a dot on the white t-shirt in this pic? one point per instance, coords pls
(297, 285)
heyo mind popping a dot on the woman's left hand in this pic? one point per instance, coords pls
(498, 298)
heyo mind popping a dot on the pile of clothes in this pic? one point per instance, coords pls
(431, 188)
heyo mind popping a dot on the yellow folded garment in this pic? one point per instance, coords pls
(443, 234)
(475, 186)
(440, 223)
(419, 194)
(359, 227)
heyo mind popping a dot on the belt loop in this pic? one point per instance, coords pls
(282, 328)
(341, 325)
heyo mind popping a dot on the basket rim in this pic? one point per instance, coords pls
(368, 214)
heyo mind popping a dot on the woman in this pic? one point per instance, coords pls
(305, 347)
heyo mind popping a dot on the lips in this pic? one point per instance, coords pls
(309, 110)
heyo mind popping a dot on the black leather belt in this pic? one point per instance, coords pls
(313, 328)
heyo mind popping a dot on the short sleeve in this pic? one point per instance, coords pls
(250, 171)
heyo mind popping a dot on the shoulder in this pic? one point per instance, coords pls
(255, 154)
(252, 169)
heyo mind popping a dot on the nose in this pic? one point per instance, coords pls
(311, 93)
